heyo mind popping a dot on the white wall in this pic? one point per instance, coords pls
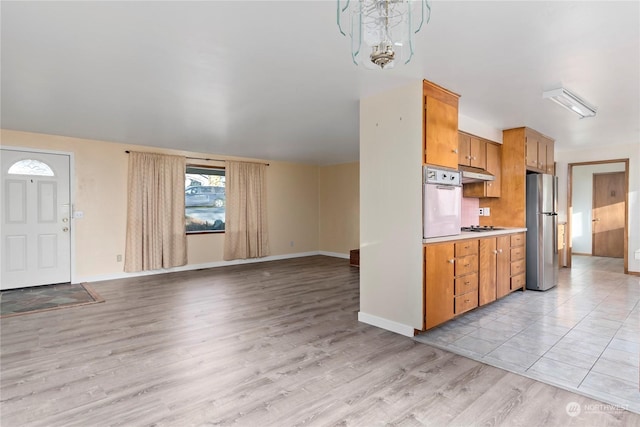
(607, 152)
(474, 127)
(582, 199)
(100, 189)
(391, 209)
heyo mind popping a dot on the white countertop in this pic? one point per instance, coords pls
(473, 235)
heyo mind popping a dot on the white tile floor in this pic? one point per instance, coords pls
(583, 335)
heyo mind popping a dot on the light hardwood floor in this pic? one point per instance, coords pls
(274, 343)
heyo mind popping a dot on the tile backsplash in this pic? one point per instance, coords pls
(470, 208)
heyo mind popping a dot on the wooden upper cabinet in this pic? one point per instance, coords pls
(464, 148)
(440, 128)
(550, 158)
(493, 163)
(472, 151)
(532, 150)
(539, 153)
(493, 167)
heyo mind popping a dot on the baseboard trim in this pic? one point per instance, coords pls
(123, 275)
(389, 325)
(335, 254)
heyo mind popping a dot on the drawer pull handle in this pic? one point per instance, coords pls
(451, 261)
(466, 265)
(467, 300)
(466, 283)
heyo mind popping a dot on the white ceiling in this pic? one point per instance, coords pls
(275, 80)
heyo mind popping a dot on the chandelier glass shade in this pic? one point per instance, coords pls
(382, 31)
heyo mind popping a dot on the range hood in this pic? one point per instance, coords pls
(471, 174)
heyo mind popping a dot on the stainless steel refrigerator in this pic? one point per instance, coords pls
(542, 226)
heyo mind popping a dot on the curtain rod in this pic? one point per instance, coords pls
(213, 160)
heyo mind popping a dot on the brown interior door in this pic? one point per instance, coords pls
(607, 216)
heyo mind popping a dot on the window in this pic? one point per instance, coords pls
(204, 199)
(30, 167)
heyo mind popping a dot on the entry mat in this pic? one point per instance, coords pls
(16, 302)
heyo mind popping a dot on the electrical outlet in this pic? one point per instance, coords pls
(291, 243)
(637, 254)
(118, 258)
(481, 212)
(487, 211)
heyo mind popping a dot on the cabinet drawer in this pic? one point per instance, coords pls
(466, 248)
(465, 302)
(517, 239)
(517, 267)
(466, 284)
(467, 264)
(518, 281)
(517, 253)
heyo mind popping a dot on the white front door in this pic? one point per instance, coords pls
(36, 222)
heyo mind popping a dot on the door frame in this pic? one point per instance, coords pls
(72, 197)
(626, 206)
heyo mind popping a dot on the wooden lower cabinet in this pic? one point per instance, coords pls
(518, 270)
(487, 271)
(503, 268)
(494, 269)
(466, 280)
(439, 277)
(450, 280)
(460, 276)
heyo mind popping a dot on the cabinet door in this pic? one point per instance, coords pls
(439, 281)
(532, 151)
(503, 266)
(464, 149)
(493, 167)
(550, 158)
(543, 145)
(487, 271)
(478, 153)
(441, 133)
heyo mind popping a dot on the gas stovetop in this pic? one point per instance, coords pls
(480, 228)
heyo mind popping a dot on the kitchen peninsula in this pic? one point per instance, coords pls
(408, 284)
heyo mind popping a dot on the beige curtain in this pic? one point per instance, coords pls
(245, 234)
(155, 216)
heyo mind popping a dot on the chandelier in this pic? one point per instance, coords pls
(382, 31)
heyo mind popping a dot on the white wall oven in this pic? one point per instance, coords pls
(442, 202)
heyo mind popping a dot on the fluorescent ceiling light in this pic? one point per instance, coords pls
(571, 102)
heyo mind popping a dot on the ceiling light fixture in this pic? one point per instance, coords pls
(383, 27)
(571, 102)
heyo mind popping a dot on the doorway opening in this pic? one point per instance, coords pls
(597, 220)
